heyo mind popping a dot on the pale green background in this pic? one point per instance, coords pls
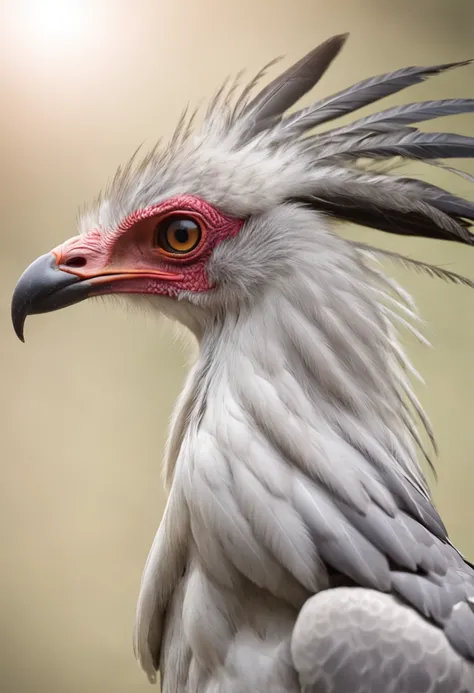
(84, 404)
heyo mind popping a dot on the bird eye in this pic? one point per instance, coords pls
(177, 235)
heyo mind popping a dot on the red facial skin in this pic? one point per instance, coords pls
(127, 261)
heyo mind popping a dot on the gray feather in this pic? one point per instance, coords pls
(460, 628)
(298, 79)
(358, 641)
(430, 598)
(361, 94)
(442, 199)
(402, 116)
(418, 265)
(384, 207)
(412, 145)
(389, 534)
(339, 543)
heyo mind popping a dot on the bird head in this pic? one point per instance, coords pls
(205, 225)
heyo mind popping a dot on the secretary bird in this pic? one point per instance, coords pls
(300, 549)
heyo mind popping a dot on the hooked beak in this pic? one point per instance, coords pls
(42, 288)
(45, 286)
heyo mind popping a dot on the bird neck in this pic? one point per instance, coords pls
(317, 356)
(301, 391)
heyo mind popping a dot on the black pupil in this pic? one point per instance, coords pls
(181, 233)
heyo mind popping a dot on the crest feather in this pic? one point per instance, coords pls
(248, 157)
(278, 96)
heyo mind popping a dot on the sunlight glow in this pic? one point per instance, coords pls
(54, 23)
(57, 18)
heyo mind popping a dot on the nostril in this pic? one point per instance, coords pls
(76, 261)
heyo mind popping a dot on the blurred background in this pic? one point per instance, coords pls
(84, 404)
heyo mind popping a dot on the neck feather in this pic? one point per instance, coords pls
(318, 357)
(297, 410)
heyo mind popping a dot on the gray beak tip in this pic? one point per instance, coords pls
(42, 288)
(18, 319)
